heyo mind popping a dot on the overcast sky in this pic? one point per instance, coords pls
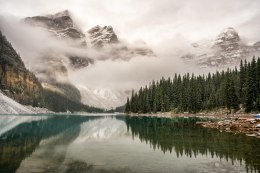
(152, 20)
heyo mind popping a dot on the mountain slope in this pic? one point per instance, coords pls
(15, 80)
(9, 106)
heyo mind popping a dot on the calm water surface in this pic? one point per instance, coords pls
(111, 144)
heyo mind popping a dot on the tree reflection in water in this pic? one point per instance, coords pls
(185, 138)
(21, 141)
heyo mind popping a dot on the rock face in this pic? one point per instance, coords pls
(226, 50)
(60, 24)
(61, 95)
(228, 40)
(102, 35)
(105, 37)
(15, 80)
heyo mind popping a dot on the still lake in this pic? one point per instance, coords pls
(118, 143)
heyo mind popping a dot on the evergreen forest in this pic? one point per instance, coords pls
(233, 89)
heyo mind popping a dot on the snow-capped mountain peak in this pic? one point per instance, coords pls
(228, 39)
(60, 24)
(228, 34)
(102, 35)
(226, 50)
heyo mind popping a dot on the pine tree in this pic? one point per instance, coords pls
(127, 107)
(258, 84)
(249, 90)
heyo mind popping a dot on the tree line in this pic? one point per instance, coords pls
(231, 89)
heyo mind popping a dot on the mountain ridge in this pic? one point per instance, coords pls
(227, 49)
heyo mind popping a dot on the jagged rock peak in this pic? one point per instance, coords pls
(60, 24)
(225, 51)
(60, 14)
(102, 35)
(228, 35)
(57, 21)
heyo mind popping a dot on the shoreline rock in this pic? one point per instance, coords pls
(247, 126)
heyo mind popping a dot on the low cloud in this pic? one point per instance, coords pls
(113, 70)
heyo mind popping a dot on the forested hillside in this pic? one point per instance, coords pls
(232, 89)
(15, 80)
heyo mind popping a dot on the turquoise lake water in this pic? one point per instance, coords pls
(118, 143)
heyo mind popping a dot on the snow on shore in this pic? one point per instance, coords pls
(9, 106)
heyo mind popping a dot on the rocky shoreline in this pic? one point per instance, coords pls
(249, 126)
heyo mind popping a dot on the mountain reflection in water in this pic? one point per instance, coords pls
(69, 144)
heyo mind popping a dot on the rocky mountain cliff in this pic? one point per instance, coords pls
(102, 35)
(60, 24)
(101, 40)
(60, 94)
(105, 37)
(226, 50)
(15, 80)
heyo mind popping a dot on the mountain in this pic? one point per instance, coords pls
(102, 35)
(60, 24)
(15, 80)
(105, 39)
(226, 50)
(60, 94)
(102, 40)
